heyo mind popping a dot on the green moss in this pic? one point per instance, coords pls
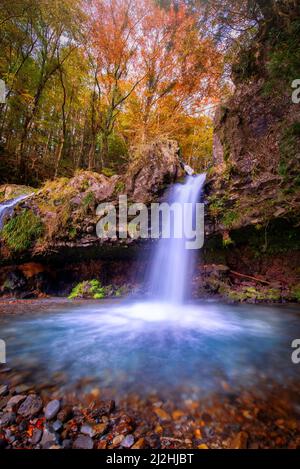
(227, 242)
(284, 59)
(72, 232)
(296, 293)
(93, 289)
(252, 294)
(289, 147)
(88, 289)
(216, 205)
(230, 218)
(120, 187)
(108, 172)
(22, 231)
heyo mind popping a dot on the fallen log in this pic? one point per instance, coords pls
(250, 277)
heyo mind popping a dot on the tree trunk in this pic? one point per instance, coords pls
(105, 149)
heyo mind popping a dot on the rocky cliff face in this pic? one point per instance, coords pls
(256, 176)
(60, 218)
(50, 241)
(254, 187)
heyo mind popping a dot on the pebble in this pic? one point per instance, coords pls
(7, 419)
(14, 402)
(65, 414)
(118, 440)
(3, 390)
(67, 444)
(3, 443)
(3, 402)
(57, 426)
(52, 409)
(128, 441)
(162, 414)
(100, 429)
(83, 442)
(240, 441)
(22, 388)
(88, 430)
(203, 446)
(140, 444)
(32, 405)
(104, 408)
(49, 439)
(36, 436)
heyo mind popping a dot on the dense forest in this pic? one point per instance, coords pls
(88, 82)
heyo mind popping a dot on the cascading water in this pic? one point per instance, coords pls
(162, 345)
(6, 208)
(172, 266)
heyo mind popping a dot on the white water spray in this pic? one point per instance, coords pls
(172, 266)
(7, 208)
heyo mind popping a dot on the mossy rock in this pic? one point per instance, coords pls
(88, 289)
(93, 289)
(22, 231)
(11, 191)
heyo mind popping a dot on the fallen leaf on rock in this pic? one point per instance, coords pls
(162, 414)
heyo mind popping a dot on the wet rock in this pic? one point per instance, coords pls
(104, 408)
(162, 414)
(128, 441)
(52, 409)
(83, 442)
(14, 402)
(90, 229)
(207, 418)
(102, 444)
(202, 446)
(3, 402)
(118, 440)
(123, 428)
(22, 388)
(3, 390)
(3, 443)
(65, 414)
(100, 429)
(67, 444)
(140, 444)
(57, 426)
(240, 441)
(153, 441)
(49, 439)
(208, 432)
(5, 370)
(87, 430)
(32, 405)
(10, 437)
(23, 426)
(7, 419)
(36, 436)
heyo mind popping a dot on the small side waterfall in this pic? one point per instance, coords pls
(172, 265)
(6, 208)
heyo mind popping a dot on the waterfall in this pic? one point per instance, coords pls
(172, 266)
(7, 208)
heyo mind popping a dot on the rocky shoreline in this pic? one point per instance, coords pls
(41, 418)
